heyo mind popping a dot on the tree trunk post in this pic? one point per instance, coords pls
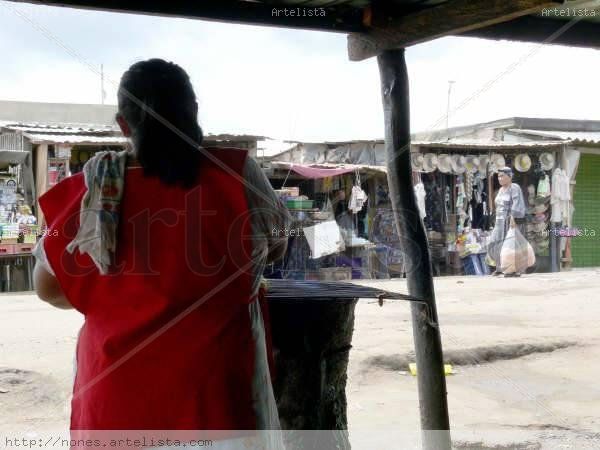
(435, 424)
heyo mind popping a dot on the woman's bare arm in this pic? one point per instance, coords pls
(48, 289)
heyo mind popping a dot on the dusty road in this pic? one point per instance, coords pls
(525, 353)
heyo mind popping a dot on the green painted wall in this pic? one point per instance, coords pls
(585, 249)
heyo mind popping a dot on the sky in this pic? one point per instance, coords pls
(289, 84)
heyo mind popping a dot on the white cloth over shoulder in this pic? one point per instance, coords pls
(99, 215)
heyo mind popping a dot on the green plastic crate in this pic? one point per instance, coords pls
(299, 204)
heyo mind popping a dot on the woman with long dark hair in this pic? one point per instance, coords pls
(161, 248)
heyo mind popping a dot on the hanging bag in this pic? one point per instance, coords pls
(516, 254)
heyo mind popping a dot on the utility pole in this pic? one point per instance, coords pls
(450, 83)
(102, 92)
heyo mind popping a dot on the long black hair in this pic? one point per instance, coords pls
(157, 100)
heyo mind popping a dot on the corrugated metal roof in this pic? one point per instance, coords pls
(480, 144)
(583, 137)
(58, 128)
(74, 139)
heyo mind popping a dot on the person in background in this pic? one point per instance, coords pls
(510, 211)
(161, 248)
(340, 210)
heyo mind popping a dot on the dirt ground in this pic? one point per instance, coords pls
(524, 353)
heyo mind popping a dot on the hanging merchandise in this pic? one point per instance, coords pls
(547, 161)
(497, 161)
(469, 181)
(444, 163)
(324, 238)
(560, 196)
(358, 197)
(531, 194)
(460, 203)
(522, 162)
(486, 220)
(447, 205)
(543, 189)
(420, 195)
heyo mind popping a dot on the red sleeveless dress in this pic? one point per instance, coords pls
(167, 342)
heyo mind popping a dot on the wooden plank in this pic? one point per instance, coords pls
(453, 17)
(332, 18)
(41, 177)
(574, 32)
(413, 240)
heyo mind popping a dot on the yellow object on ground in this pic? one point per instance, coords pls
(413, 369)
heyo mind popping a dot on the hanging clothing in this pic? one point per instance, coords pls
(172, 287)
(420, 195)
(543, 189)
(560, 196)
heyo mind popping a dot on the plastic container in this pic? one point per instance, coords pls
(299, 204)
(472, 265)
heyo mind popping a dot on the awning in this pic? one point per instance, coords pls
(314, 171)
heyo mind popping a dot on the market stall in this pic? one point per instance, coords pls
(336, 223)
(18, 225)
(456, 184)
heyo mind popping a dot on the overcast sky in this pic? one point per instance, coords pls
(288, 84)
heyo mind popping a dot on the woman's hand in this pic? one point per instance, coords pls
(513, 224)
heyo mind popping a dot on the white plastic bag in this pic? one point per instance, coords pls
(516, 254)
(324, 239)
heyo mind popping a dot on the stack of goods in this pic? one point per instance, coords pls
(437, 246)
(291, 198)
(471, 245)
(29, 233)
(10, 233)
(538, 217)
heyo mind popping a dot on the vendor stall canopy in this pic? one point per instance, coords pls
(375, 26)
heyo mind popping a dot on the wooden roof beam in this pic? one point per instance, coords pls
(574, 32)
(453, 17)
(327, 18)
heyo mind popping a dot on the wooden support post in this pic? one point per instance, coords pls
(41, 177)
(428, 345)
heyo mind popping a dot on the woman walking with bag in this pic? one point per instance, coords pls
(510, 205)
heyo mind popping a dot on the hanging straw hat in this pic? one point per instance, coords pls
(416, 160)
(547, 161)
(458, 164)
(444, 163)
(430, 162)
(496, 162)
(472, 163)
(522, 162)
(484, 161)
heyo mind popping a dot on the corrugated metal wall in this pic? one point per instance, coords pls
(585, 249)
(11, 141)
